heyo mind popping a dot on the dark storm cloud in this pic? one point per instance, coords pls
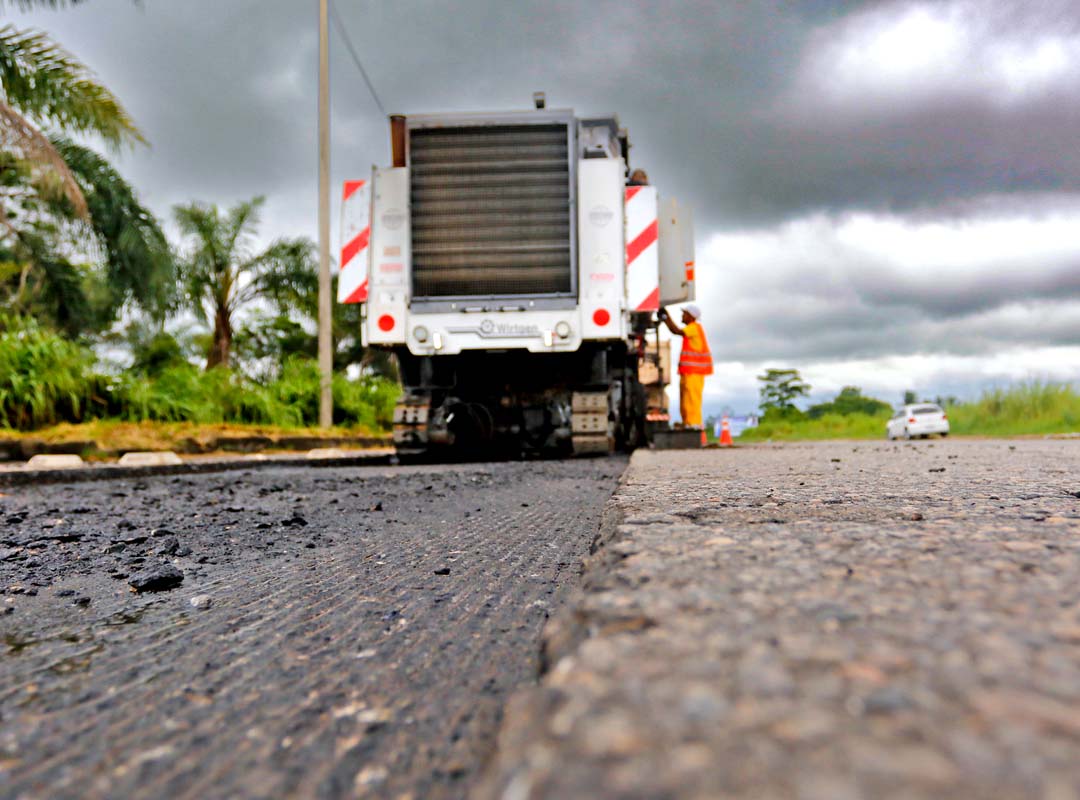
(756, 114)
(831, 288)
(945, 297)
(715, 96)
(819, 331)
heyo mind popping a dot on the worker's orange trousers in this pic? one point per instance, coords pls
(691, 388)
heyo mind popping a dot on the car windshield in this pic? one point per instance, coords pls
(926, 410)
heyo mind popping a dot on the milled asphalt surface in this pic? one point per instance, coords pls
(825, 621)
(365, 625)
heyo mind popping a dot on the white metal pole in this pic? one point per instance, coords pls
(326, 364)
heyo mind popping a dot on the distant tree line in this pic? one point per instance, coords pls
(781, 388)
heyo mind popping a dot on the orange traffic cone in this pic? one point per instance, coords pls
(725, 433)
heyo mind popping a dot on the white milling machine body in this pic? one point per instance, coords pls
(516, 276)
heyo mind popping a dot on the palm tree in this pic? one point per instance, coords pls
(42, 83)
(222, 274)
(65, 213)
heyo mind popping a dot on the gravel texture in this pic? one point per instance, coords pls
(820, 621)
(333, 633)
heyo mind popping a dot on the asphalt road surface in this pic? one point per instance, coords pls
(334, 634)
(826, 621)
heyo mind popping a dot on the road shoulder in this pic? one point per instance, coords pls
(817, 621)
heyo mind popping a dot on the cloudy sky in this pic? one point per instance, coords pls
(886, 193)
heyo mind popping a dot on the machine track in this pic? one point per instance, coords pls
(590, 425)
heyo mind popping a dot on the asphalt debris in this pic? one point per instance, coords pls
(158, 578)
(201, 601)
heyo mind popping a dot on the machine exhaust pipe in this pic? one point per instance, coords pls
(397, 139)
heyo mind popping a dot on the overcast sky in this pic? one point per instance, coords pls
(886, 193)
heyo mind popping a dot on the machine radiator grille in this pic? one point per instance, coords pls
(490, 210)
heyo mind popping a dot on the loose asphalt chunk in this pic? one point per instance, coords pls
(158, 578)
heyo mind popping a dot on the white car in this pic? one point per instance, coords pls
(918, 420)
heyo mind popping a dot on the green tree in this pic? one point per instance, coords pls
(222, 274)
(269, 337)
(75, 243)
(850, 400)
(780, 388)
(910, 397)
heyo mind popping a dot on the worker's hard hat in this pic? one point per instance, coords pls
(692, 310)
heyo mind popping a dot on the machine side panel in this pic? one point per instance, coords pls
(687, 217)
(390, 257)
(601, 247)
(676, 253)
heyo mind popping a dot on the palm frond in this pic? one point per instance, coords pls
(49, 85)
(19, 136)
(138, 261)
(285, 273)
(241, 223)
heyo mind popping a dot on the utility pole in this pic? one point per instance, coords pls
(326, 361)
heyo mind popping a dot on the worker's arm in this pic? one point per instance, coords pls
(666, 317)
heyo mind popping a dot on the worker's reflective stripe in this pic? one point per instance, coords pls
(695, 364)
(692, 361)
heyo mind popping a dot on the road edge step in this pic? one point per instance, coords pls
(104, 472)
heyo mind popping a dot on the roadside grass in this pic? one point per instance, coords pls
(1033, 408)
(119, 436)
(1030, 408)
(828, 426)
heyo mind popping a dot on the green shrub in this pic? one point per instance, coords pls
(368, 401)
(184, 393)
(851, 400)
(154, 355)
(44, 378)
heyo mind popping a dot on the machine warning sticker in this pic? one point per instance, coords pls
(600, 216)
(393, 219)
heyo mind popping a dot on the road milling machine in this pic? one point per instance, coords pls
(516, 276)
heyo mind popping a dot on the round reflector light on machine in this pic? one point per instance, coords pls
(562, 330)
(420, 333)
(601, 317)
(386, 323)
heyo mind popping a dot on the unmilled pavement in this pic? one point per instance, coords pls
(819, 621)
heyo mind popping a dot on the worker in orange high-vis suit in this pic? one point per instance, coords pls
(695, 362)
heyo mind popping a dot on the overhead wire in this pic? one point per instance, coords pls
(344, 34)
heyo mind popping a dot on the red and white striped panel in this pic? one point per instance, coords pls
(642, 249)
(355, 237)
